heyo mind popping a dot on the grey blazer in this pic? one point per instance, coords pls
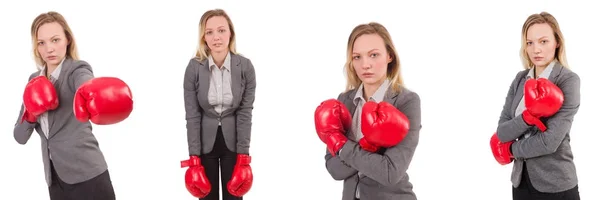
(548, 154)
(384, 175)
(76, 155)
(203, 120)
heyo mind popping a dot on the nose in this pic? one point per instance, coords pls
(364, 64)
(537, 48)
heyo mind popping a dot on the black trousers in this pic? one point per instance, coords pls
(220, 158)
(97, 188)
(525, 191)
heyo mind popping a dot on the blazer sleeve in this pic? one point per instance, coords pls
(22, 131)
(82, 73)
(390, 168)
(193, 112)
(557, 125)
(509, 127)
(244, 111)
(337, 168)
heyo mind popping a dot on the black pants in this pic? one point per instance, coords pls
(525, 191)
(97, 188)
(219, 158)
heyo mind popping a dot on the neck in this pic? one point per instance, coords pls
(540, 69)
(50, 69)
(219, 57)
(370, 89)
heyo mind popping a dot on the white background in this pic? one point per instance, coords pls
(460, 57)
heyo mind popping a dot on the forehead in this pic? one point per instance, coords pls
(539, 30)
(368, 42)
(49, 30)
(216, 21)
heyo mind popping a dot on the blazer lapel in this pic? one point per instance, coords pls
(58, 85)
(556, 70)
(203, 86)
(349, 101)
(236, 80)
(390, 96)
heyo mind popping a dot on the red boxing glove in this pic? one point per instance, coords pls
(501, 150)
(103, 101)
(39, 96)
(542, 99)
(196, 181)
(382, 125)
(242, 178)
(332, 119)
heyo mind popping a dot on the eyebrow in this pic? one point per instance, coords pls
(217, 27)
(368, 51)
(543, 37)
(50, 37)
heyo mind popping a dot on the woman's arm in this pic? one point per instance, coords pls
(335, 166)
(510, 128)
(193, 112)
(82, 73)
(244, 112)
(23, 129)
(558, 125)
(389, 168)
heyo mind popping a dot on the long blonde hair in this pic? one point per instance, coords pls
(51, 17)
(393, 68)
(543, 18)
(203, 51)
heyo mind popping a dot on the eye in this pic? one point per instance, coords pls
(40, 43)
(544, 41)
(55, 40)
(529, 43)
(374, 55)
(355, 57)
(208, 32)
(222, 31)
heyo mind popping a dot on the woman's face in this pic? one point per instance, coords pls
(52, 43)
(217, 34)
(541, 44)
(370, 59)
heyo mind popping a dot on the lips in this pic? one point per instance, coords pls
(538, 58)
(368, 74)
(51, 57)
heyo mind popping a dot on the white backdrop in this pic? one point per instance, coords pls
(459, 56)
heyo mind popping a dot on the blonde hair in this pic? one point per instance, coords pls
(51, 17)
(393, 68)
(560, 53)
(203, 51)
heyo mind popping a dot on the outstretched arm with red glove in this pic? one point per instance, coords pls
(102, 100)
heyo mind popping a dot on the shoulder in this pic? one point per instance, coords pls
(407, 97)
(567, 79)
(75, 65)
(242, 60)
(34, 74)
(346, 95)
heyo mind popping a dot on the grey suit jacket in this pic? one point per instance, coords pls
(548, 154)
(203, 120)
(75, 151)
(384, 175)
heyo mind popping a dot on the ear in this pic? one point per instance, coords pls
(389, 58)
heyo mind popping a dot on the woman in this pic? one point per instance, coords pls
(55, 104)
(219, 87)
(372, 129)
(534, 126)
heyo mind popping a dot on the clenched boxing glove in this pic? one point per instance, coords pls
(382, 125)
(242, 178)
(39, 96)
(196, 181)
(103, 101)
(501, 151)
(542, 99)
(332, 120)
